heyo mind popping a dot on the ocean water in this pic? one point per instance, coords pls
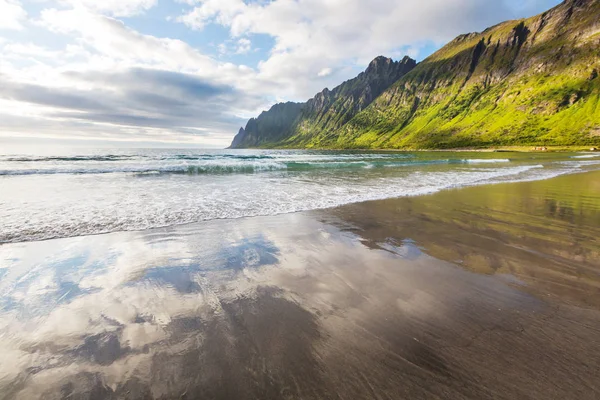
(83, 192)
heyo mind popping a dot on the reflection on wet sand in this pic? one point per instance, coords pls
(488, 292)
(544, 233)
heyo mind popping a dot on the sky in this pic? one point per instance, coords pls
(137, 73)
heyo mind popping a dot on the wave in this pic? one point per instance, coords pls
(68, 159)
(200, 157)
(146, 194)
(172, 203)
(175, 204)
(487, 161)
(587, 156)
(231, 166)
(142, 169)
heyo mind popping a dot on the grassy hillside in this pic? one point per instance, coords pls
(527, 82)
(327, 111)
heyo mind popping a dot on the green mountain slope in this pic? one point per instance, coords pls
(327, 111)
(271, 126)
(528, 82)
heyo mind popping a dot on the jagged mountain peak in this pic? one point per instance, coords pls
(327, 110)
(381, 64)
(378, 62)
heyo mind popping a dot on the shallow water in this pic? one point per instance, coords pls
(45, 196)
(487, 292)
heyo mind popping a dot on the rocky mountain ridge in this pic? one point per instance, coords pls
(328, 110)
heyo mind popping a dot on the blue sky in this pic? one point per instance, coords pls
(190, 72)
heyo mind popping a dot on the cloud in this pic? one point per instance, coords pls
(325, 72)
(117, 8)
(115, 45)
(113, 78)
(312, 35)
(29, 49)
(244, 45)
(222, 11)
(12, 14)
(138, 97)
(110, 37)
(235, 47)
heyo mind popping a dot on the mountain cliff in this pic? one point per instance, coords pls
(271, 126)
(327, 111)
(525, 82)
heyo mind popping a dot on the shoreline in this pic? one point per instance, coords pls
(174, 226)
(492, 149)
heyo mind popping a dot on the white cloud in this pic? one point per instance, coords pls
(223, 49)
(117, 8)
(112, 82)
(12, 14)
(111, 38)
(312, 33)
(114, 45)
(325, 72)
(221, 10)
(231, 46)
(29, 49)
(244, 46)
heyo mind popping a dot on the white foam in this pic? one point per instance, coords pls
(487, 160)
(181, 167)
(47, 206)
(587, 156)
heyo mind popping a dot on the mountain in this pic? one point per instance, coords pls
(270, 127)
(533, 81)
(327, 111)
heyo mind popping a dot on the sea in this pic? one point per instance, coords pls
(78, 192)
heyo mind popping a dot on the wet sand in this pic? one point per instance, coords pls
(488, 292)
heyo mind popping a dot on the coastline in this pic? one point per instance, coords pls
(481, 292)
(288, 175)
(492, 149)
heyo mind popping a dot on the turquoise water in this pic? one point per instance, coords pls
(84, 192)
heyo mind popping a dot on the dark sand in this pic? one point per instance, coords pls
(489, 292)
